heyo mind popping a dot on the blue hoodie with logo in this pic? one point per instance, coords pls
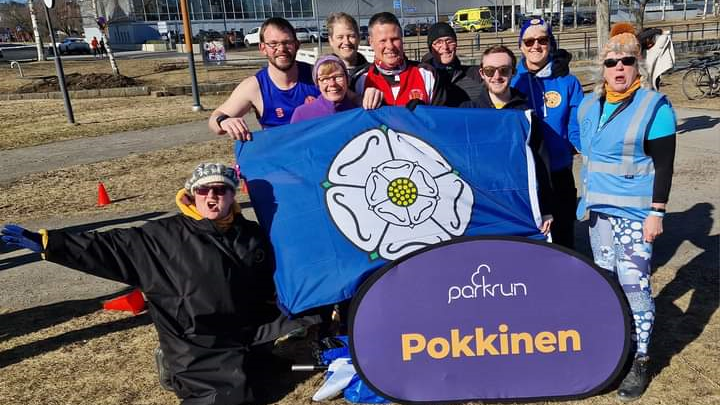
(555, 99)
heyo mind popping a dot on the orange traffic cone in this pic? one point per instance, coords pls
(103, 198)
(133, 302)
(244, 186)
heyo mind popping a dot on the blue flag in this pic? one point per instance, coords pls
(342, 195)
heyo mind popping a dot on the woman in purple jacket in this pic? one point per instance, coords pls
(331, 77)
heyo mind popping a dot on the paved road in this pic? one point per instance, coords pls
(27, 282)
(20, 162)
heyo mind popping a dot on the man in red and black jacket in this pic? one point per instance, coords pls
(400, 81)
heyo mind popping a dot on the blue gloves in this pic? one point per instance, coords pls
(14, 235)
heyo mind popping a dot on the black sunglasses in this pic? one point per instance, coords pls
(219, 190)
(626, 61)
(531, 41)
(505, 71)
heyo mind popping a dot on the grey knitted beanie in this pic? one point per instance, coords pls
(207, 173)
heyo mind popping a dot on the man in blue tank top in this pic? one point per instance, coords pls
(274, 92)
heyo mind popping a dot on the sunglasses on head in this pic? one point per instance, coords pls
(531, 41)
(218, 190)
(626, 61)
(489, 71)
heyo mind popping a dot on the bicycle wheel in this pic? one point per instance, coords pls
(696, 84)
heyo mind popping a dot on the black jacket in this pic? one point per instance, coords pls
(357, 70)
(210, 294)
(460, 83)
(540, 155)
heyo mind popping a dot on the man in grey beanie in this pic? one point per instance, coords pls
(461, 83)
(207, 275)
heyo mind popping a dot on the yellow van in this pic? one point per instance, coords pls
(472, 19)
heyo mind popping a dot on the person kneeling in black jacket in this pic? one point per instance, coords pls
(207, 274)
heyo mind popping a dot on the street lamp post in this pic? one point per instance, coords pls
(224, 17)
(58, 64)
(191, 58)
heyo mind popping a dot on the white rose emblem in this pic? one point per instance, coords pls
(391, 193)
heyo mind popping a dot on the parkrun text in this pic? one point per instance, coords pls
(481, 287)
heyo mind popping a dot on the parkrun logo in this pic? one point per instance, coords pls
(486, 289)
(494, 344)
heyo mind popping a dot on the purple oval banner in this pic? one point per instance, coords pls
(489, 319)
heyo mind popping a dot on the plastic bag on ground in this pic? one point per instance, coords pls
(340, 373)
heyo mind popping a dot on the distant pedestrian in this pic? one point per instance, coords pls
(94, 47)
(103, 50)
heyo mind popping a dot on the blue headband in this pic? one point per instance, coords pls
(537, 22)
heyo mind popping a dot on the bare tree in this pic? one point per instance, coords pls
(66, 16)
(102, 23)
(602, 17)
(15, 15)
(36, 31)
(638, 11)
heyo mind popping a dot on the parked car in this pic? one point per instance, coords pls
(415, 29)
(314, 35)
(72, 45)
(302, 34)
(586, 18)
(364, 32)
(208, 36)
(500, 25)
(252, 37)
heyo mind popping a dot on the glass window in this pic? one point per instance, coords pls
(138, 9)
(287, 8)
(229, 8)
(174, 9)
(151, 10)
(267, 6)
(307, 8)
(277, 8)
(163, 4)
(216, 8)
(196, 9)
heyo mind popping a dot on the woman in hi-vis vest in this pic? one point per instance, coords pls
(627, 141)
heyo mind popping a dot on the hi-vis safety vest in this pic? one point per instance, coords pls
(616, 171)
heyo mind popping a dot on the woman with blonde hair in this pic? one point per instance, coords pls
(627, 141)
(344, 39)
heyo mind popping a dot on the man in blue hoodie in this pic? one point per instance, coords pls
(543, 77)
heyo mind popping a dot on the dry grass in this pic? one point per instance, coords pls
(34, 122)
(90, 356)
(71, 353)
(145, 182)
(141, 69)
(106, 358)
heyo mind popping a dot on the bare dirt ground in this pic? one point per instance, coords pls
(78, 81)
(147, 71)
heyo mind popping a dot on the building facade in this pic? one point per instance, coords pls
(132, 22)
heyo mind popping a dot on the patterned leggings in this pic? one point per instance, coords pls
(618, 247)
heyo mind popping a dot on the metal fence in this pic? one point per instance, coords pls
(582, 44)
